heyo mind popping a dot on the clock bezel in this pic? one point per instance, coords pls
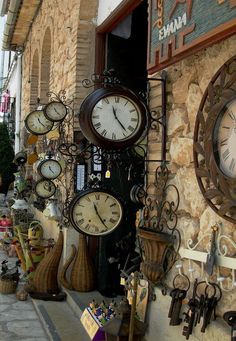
(85, 118)
(82, 194)
(51, 104)
(30, 129)
(218, 189)
(46, 161)
(215, 131)
(41, 181)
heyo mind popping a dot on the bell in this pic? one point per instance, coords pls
(52, 211)
(20, 204)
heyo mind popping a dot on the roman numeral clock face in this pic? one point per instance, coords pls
(116, 118)
(113, 118)
(225, 140)
(95, 212)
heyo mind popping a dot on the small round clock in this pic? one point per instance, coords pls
(37, 123)
(95, 212)
(45, 188)
(113, 118)
(50, 169)
(55, 111)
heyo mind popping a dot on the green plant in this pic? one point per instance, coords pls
(7, 168)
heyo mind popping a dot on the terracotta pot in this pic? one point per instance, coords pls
(155, 247)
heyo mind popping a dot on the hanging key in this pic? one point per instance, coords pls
(175, 316)
(200, 308)
(210, 305)
(191, 314)
(173, 294)
(230, 318)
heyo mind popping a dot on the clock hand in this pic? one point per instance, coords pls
(51, 169)
(114, 112)
(41, 122)
(56, 111)
(96, 210)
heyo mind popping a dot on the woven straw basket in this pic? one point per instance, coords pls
(7, 286)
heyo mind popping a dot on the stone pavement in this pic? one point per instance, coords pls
(18, 319)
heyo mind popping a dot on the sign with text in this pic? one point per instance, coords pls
(178, 28)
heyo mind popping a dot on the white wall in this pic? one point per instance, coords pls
(105, 8)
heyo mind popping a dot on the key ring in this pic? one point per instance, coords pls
(187, 282)
(206, 288)
(219, 289)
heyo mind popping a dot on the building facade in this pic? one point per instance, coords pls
(67, 42)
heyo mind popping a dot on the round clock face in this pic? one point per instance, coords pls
(37, 123)
(225, 140)
(95, 212)
(50, 169)
(45, 188)
(112, 118)
(55, 111)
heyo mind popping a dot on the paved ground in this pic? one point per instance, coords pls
(18, 319)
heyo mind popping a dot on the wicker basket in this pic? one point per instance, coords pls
(8, 286)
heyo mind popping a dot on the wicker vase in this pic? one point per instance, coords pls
(82, 273)
(45, 277)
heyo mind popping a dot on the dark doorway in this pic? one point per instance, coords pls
(127, 49)
(126, 52)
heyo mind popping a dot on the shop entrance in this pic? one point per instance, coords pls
(125, 51)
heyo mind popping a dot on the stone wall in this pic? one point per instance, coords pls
(58, 55)
(71, 28)
(187, 81)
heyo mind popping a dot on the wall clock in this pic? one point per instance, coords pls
(55, 111)
(113, 118)
(37, 123)
(95, 212)
(45, 188)
(215, 142)
(49, 169)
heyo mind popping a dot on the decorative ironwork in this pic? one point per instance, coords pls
(218, 189)
(159, 213)
(107, 78)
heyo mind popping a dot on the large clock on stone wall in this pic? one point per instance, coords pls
(113, 118)
(215, 142)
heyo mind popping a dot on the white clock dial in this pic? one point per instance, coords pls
(96, 213)
(116, 118)
(50, 169)
(37, 123)
(55, 111)
(225, 135)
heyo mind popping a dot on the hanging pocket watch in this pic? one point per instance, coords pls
(50, 169)
(45, 188)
